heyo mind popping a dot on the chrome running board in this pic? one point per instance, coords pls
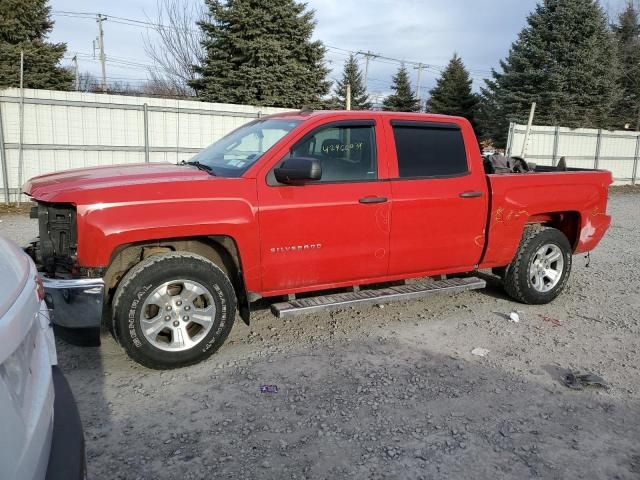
(382, 295)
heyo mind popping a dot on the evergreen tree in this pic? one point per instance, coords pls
(565, 60)
(351, 75)
(260, 52)
(402, 99)
(627, 33)
(452, 94)
(24, 25)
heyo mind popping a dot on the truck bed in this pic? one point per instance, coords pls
(574, 200)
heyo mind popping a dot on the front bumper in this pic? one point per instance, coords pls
(76, 308)
(67, 459)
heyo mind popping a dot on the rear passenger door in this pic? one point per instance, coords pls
(439, 207)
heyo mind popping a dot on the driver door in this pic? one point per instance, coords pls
(333, 231)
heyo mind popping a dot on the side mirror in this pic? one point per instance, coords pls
(298, 170)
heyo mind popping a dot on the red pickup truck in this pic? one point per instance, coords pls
(295, 203)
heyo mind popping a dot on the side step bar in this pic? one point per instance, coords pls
(403, 292)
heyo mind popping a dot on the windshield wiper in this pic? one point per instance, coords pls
(198, 165)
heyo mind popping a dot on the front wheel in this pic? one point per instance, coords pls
(173, 310)
(540, 269)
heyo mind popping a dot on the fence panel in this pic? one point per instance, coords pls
(616, 151)
(73, 130)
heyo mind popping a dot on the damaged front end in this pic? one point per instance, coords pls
(57, 243)
(74, 295)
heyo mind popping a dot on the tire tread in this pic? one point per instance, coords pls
(131, 277)
(512, 278)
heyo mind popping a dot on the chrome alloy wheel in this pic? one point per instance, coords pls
(546, 268)
(177, 315)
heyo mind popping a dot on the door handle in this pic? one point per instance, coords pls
(373, 199)
(470, 194)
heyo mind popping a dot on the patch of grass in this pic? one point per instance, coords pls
(15, 209)
(625, 189)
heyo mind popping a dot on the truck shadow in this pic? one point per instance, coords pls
(494, 288)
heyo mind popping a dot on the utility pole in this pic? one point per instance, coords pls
(103, 58)
(368, 55)
(77, 73)
(419, 68)
(20, 146)
(348, 99)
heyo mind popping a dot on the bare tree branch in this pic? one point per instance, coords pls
(175, 46)
(88, 82)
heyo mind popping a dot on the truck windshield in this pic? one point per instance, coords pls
(234, 153)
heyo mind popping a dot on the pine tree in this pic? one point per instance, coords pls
(627, 33)
(565, 61)
(403, 99)
(452, 94)
(24, 25)
(260, 52)
(351, 75)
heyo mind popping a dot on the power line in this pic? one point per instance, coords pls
(122, 20)
(337, 50)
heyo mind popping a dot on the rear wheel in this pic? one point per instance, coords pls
(173, 310)
(540, 269)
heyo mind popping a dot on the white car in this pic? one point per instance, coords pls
(41, 433)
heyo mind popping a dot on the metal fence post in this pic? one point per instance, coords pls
(145, 110)
(635, 161)
(556, 140)
(3, 159)
(512, 128)
(596, 161)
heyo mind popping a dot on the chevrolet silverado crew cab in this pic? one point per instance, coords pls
(295, 203)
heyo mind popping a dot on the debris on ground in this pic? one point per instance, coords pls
(514, 317)
(579, 381)
(554, 321)
(268, 388)
(480, 352)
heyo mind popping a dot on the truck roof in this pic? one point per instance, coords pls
(305, 114)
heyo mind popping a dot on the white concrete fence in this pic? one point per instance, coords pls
(616, 151)
(70, 130)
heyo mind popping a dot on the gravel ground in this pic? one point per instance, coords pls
(389, 391)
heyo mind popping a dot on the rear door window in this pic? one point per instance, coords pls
(426, 149)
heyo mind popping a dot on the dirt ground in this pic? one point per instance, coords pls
(388, 391)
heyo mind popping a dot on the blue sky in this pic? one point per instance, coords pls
(427, 31)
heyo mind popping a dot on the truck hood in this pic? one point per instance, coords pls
(67, 185)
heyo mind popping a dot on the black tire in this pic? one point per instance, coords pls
(143, 279)
(518, 276)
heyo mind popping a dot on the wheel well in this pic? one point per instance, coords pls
(567, 222)
(221, 250)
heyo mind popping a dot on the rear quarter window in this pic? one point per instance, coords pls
(429, 150)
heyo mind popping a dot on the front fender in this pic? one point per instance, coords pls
(102, 228)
